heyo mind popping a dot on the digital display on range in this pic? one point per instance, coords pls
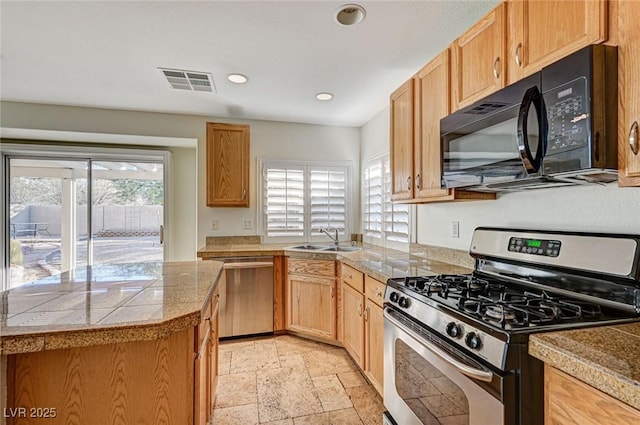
(534, 243)
(548, 248)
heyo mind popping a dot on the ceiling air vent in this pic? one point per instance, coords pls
(189, 80)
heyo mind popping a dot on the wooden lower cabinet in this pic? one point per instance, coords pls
(374, 333)
(363, 323)
(142, 382)
(353, 315)
(311, 298)
(206, 363)
(569, 401)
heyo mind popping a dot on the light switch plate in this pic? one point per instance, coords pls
(247, 223)
(214, 224)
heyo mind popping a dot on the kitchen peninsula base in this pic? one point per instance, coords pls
(143, 382)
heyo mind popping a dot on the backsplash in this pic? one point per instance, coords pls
(233, 240)
(444, 255)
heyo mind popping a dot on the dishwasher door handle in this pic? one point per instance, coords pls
(247, 265)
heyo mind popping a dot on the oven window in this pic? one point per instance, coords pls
(433, 397)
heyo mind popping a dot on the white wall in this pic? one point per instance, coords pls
(283, 141)
(269, 140)
(606, 209)
(590, 208)
(374, 136)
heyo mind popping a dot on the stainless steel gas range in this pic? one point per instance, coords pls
(456, 346)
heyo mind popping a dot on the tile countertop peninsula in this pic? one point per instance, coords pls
(378, 262)
(106, 304)
(607, 358)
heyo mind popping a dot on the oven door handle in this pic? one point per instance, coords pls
(472, 372)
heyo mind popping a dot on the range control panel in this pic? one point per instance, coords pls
(546, 247)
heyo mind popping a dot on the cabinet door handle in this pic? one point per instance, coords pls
(366, 314)
(378, 293)
(418, 181)
(409, 183)
(496, 71)
(360, 310)
(332, 292)
(244, 193)
(517, 54)
(633, 138)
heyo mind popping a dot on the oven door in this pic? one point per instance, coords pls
(429, 382)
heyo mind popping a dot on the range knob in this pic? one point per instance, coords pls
(403, 302)
(394, 297)
(453, 330)
(473, 341)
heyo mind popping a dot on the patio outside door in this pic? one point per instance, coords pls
(53, 228)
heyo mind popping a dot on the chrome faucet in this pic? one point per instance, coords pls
(333, 238)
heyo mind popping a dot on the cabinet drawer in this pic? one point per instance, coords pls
(312, 267)
(374, 290)
(353, 278)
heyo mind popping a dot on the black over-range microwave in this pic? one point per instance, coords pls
(556, 127)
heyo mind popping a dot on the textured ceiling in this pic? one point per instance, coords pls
(106, 53)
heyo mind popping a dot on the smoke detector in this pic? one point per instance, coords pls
(189, 80)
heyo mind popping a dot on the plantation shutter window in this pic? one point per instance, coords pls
(284, 202)
(396, 216)
(301, 199)
(382, 220)
(373, 198)
(328, 200)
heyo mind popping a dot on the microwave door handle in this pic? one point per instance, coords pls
(532, 97)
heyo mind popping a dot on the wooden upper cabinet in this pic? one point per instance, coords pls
(227, 165)
(541, 32)
(478, 60)
(432, 100)
(416, 109)
(628, 93)
(402, 136)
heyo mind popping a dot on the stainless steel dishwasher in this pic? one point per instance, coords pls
(246, 300)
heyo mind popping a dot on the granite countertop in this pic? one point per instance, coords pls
(106, 304)
(378, 262)
(607, 358)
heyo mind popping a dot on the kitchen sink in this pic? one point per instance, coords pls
(343, 248)
(333, 248)
(311, 247)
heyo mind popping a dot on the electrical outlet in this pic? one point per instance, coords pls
(247, 223)
(214, 224)
(455, 229)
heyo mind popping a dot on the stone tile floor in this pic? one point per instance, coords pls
(289, 380)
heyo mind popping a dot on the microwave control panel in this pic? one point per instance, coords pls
(567, 116)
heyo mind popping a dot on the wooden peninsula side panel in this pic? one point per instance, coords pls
(145, 382)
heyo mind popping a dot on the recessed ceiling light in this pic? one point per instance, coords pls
(324, 96)
(350, 14)
(237, 78)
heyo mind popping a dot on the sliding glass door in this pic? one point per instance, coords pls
(51, 226)
(128, 211)
(47, 217)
